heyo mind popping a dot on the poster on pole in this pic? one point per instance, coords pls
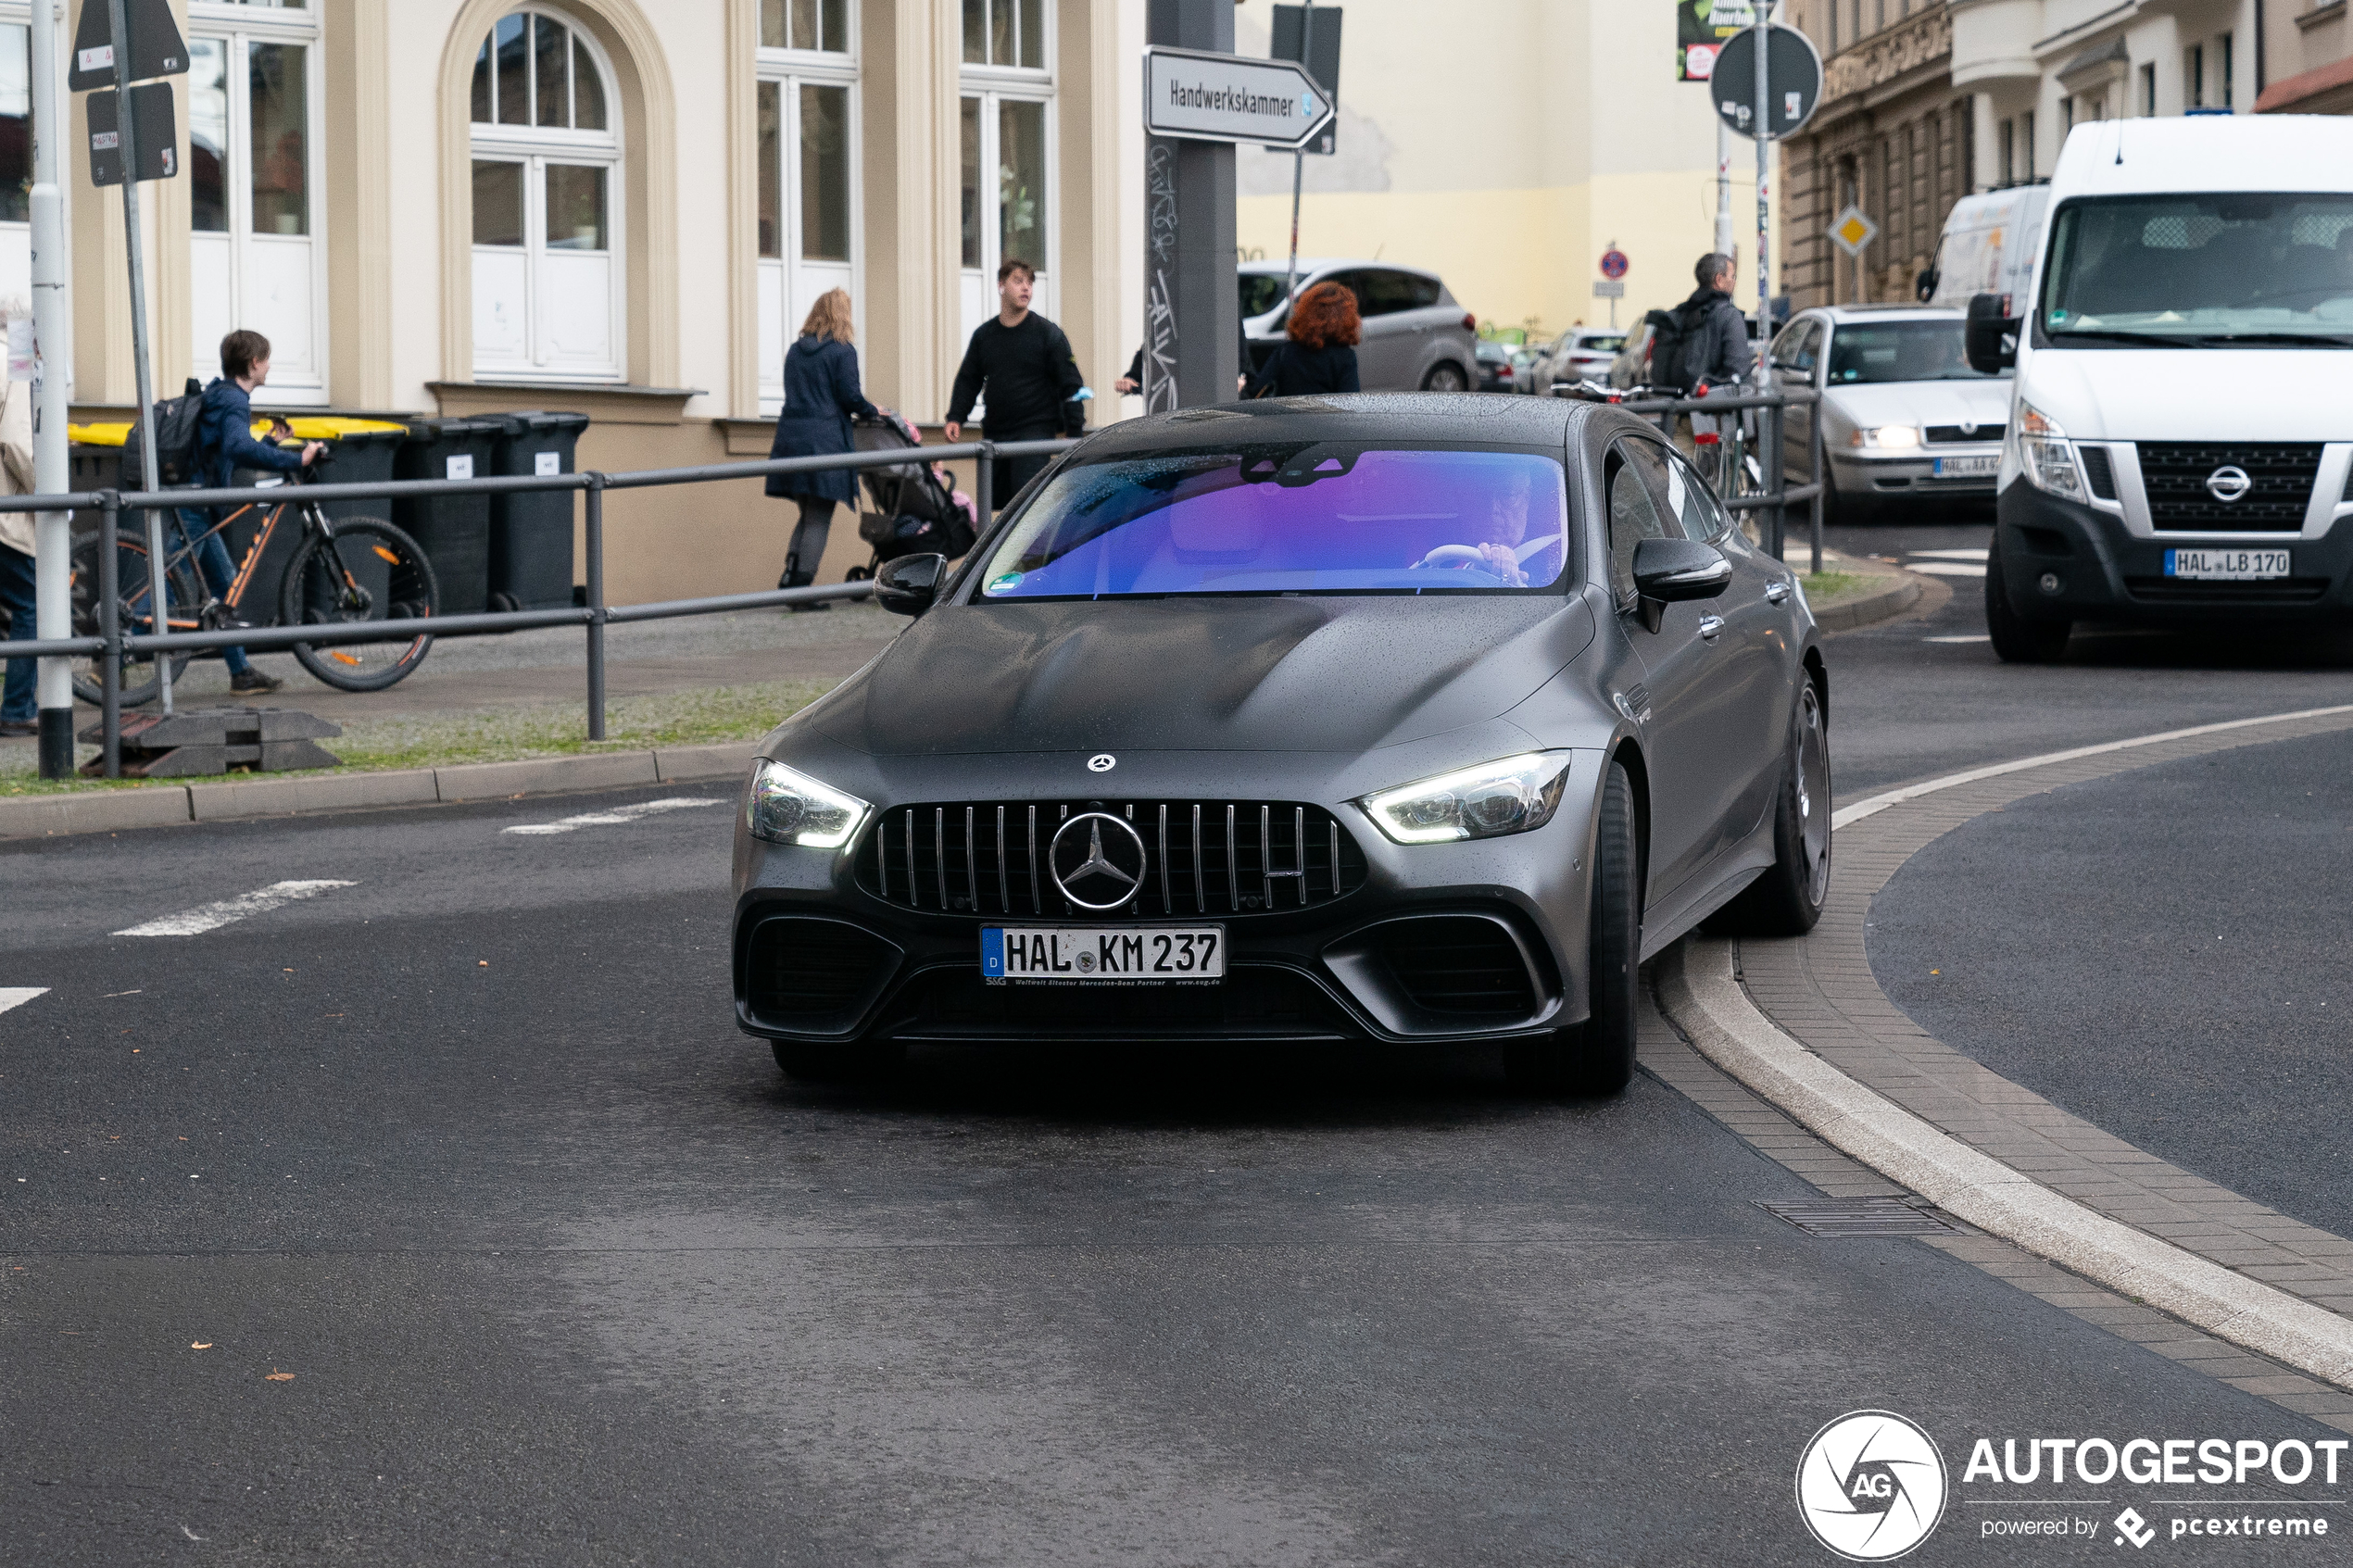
(1701, 28)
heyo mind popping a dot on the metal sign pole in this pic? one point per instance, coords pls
(1299, 158)
(158, 595)
(53, 544)
(1766, 426)
(1723, 187)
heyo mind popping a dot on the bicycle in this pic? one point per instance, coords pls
(357, 571)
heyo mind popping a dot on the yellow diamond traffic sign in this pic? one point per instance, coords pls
(1852, 231)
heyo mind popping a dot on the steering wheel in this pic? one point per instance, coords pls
(1454, 556)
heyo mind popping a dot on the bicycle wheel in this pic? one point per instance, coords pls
(184, 599)
(366, 570)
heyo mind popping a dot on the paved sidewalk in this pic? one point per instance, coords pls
(1819, 990)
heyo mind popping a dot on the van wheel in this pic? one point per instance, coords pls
(1444, 378)
(2016, 639)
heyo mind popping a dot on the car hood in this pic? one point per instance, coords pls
(1200, 674)
(2172, 393)
(1985, 403)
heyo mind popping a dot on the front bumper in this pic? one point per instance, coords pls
(1858, 473)
(1464, 942)
(2104, 572)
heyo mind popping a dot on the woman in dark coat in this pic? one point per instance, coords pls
(1319, 356)
(821, 393)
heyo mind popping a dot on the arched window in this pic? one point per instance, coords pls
(548, 289)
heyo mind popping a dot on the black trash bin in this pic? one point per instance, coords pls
(95, 467)
(363, 452)
(531, 533)
(453, 530)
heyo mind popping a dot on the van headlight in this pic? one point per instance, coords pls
(1511, 794)
(2046, 454)
(785, 807)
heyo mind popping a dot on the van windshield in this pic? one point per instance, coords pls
(1326, 518)
(2201, 271)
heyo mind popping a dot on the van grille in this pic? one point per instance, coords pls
(2174, 474)
(1201, 858)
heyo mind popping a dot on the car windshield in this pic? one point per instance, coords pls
(1328, 517)
(2201, 271)
(1892, 351)
(1261, 292)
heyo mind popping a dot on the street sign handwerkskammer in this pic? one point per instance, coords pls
(1206, 97)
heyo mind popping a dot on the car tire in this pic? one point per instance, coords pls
(1596, 1058)
(806, 1063)
(1446, 377)
(1788, 898)
(2016, 639)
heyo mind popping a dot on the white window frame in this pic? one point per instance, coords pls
(993, 86)
(16, 13)
(788, 70)
(239, 27)
(534, 148)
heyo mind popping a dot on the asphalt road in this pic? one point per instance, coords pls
(501, 1244)
(2163, 952)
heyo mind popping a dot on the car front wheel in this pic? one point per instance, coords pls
(1597, 1056)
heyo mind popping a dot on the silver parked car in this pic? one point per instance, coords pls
(1416, 337)
(1904, 415)
(1578, 354)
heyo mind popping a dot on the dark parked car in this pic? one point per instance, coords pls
(1494, 366)
(1374, 718)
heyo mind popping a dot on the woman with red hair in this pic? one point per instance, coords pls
(1320, 354)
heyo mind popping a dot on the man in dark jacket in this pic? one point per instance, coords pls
(225, 444)
(1024, 365)
(1714, 337)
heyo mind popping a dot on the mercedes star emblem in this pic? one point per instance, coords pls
(1109, 872)
(2228, 484)
(1101, 762)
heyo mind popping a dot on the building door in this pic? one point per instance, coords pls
(547, 284)
(809, 223)
(255, 259)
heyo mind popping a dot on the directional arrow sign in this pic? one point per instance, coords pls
(1205, 97)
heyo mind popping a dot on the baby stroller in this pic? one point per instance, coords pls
(917, 508)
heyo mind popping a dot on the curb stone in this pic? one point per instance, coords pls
(1869, 610)
(52, 816)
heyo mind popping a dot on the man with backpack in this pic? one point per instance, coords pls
(1702, 348)
(223, 442)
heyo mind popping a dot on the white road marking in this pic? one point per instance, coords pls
(1951, 555)
(211, 917)
(615, 817)
(17, 995)
(1945, 567)
(1877, 803)
(1979, 637)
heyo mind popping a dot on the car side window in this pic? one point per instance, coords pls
(1359, 285)
(1633, 514)
(1697, 514)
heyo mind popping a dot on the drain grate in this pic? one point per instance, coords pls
(1864, 1216)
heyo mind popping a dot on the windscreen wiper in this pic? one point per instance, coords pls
(2288, 340)
(2154, 340)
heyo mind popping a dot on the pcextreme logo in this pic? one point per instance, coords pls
(1871, 1486)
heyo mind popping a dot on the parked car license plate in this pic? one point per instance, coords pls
(1966, 467)
(2226, 566)
(1152, 955)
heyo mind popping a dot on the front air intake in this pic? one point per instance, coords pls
(1457, 967)
(812, 975)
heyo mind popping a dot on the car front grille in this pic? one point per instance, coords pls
(2174, 473)
(1201, 858)
(1954, 432)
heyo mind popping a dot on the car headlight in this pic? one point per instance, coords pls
(1888, 438)
(785, 807)
(2046, 454)
(1512, 794)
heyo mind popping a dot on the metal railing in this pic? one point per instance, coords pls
(113, 642)
(1779, 495)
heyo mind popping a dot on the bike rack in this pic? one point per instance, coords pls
(594, 616)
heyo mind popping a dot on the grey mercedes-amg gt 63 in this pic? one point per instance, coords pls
(1399, 718)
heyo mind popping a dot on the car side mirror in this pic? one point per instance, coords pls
(1668, 570)
(906, 585)
(1990, 338)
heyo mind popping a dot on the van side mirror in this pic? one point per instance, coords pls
(906, 585)
(1990, 338)
(1925, 284)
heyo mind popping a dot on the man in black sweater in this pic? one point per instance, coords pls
(1024, 363)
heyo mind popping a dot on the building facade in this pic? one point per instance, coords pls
(2307, 58)
(620, 207)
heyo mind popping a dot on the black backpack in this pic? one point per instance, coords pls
(176, 421)
(1676, 344)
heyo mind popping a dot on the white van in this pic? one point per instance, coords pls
(1989, 245)
(2181, 434)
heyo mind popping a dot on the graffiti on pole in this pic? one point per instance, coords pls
(1159, 251)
